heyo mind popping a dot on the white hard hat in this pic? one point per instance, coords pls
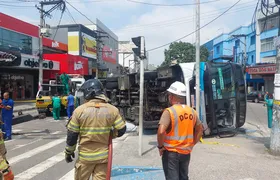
(177, 88)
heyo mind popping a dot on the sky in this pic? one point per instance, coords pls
(158, 24)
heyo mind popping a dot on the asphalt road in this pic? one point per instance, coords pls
(36, 152)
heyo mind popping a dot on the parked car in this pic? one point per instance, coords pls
(256, 96)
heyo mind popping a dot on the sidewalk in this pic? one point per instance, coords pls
(241, 157)
(24, 106)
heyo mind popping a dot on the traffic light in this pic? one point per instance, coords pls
(137, 42)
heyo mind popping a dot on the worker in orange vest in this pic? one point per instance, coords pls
(179, 130)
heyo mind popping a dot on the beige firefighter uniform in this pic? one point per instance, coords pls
(94, 121)
(5, 170)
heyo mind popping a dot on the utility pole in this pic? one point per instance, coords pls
(41, 47)
(56, 4)
(275, 130)
(197, 57)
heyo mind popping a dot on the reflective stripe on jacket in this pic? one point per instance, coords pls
(93, 121)
(180, 138)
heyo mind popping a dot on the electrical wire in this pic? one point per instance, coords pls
(188, 4)
(69, 13)
(62, 12)
(9, 5)
(188, 20)
(216, 12)
(80, 12)
(197, 29)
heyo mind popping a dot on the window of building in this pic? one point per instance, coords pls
(15, 41)
(237, 43)
(218, 49)
(267, 44)
(252, 59)
(269, 23)
(253, 40)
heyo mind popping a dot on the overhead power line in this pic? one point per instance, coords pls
(185, 4)
(10, 5)
(196, 30)
(71, 15)
(62, 12)
(80, 12)
(181, 20)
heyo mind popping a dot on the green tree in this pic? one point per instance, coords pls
(183, 52)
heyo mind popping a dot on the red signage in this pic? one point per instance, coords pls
(109, 55)
(17, 25)
(262, 70)
(70, 64)
(54, 44)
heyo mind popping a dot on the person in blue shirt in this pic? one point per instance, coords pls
(7, 116)
(70, 105)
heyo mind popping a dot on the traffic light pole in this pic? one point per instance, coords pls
(141, 104)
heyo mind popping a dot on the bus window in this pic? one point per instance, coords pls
(222, 81)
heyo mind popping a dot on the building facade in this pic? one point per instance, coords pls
(239, 46)
(19, 55)
(107, 45)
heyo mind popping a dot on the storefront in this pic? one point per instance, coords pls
(69, 64)
(265, 72)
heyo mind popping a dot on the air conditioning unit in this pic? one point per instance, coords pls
(46, 32)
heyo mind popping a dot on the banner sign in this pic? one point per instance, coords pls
(262, 70)
(88, 46)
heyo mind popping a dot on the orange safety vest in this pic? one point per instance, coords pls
(180, 138)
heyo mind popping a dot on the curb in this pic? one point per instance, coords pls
(26, 109)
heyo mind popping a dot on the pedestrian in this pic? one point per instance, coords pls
(179, 131)
(7, 116)
(266, 98)
(92, 124)
(56, 107)
(70, 105)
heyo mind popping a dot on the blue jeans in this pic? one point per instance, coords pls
(70, 110)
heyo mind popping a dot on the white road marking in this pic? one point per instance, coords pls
(41, 167)
(35, 151)
(69, 175)
(23, 145)
(16, 130)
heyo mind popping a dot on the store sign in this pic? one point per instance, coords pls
(262, 70)
(11, 77)
(33, 62)
(88, 46)
(54, 44)
(109, 55)
(78, 65)
(9, 58)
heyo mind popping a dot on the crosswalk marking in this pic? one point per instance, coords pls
(35, 151)
(69, 175)
(23, 145)
(41, 167)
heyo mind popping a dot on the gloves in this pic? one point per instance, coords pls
(68, 157)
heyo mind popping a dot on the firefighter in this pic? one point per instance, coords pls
(179, 130)
(5, 170)
(92, 123)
